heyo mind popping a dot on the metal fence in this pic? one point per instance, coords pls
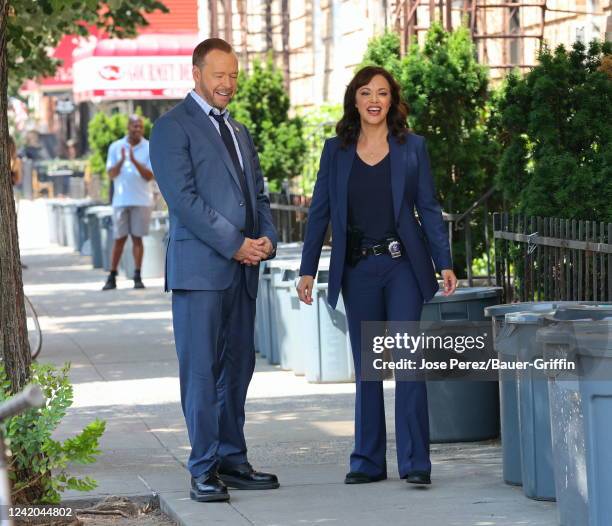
(289, 212)
(547, 258)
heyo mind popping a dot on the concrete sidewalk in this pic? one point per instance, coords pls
(124, 370)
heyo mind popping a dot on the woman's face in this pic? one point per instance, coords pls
(373, 100)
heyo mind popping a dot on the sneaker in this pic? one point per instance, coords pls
(111, 283)
(138, 284)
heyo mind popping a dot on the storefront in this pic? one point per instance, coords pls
(151, 72)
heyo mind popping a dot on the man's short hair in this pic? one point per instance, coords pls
(134, 117)
(206, 46)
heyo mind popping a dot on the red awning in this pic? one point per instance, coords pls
(148, 45)
(150, 66)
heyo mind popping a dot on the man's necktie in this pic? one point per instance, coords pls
(228, 140)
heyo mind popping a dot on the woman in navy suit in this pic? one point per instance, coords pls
(372, 176)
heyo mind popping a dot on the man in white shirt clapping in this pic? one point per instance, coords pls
(129, 166)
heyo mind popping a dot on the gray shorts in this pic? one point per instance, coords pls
(132, 220)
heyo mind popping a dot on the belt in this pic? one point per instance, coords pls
(391, 246)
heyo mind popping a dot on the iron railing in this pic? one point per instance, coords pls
(549, 259)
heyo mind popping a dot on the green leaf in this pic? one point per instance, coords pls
(38, 460)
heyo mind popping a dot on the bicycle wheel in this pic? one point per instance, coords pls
(34, 331)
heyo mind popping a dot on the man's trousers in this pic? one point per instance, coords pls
(214, 333)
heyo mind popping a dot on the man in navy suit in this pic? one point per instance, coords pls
(208, 171)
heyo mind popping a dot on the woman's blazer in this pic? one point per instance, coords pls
(426, 242)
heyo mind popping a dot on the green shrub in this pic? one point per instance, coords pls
(38, 467)
(557, 137)
(319, 124)
(262, 105)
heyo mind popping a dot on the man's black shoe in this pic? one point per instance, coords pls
(208, 489)
(358, 477)
(243, 476)
(111, 283)
(418, 477)
(138, 284)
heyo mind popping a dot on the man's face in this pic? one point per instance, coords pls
(135, 130)
(217, 78)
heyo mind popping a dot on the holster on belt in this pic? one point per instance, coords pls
(353, 246)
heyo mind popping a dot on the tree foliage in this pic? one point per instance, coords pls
(262, 105)
(383, 50)
(557, 158)
(319, 124)
(33, 26)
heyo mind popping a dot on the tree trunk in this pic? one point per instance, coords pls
(13, 328)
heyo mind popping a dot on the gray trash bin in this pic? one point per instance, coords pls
(52, 221)
(154, 244)
(287, 320)
(60, 225)
(311, 340)
(517, 340)
(154, 261)
(508, 402)
(580, 409)
(462, 411)
(305, 331)
(307, 349)
(263, 317)
(284, 252)
(329, 357)
(95, 240)
(107, 237)
(262, 311)
(82, 229)
(95, 215)
(70, 220)
(299, 338)
(595, 354)
(275, 316)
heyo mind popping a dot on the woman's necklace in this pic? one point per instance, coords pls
(373, 155)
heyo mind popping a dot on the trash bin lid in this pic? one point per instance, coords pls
(528, 317)
(504, 308)
(285, 263)
(467, 294)
(97, 209)
(288, 249)
(293, 244)
(583, 312)
(521, 306)
(105, 211)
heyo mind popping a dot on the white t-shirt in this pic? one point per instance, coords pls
(130, 188)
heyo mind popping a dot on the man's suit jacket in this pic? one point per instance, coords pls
(198, 180)
(412, 186)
